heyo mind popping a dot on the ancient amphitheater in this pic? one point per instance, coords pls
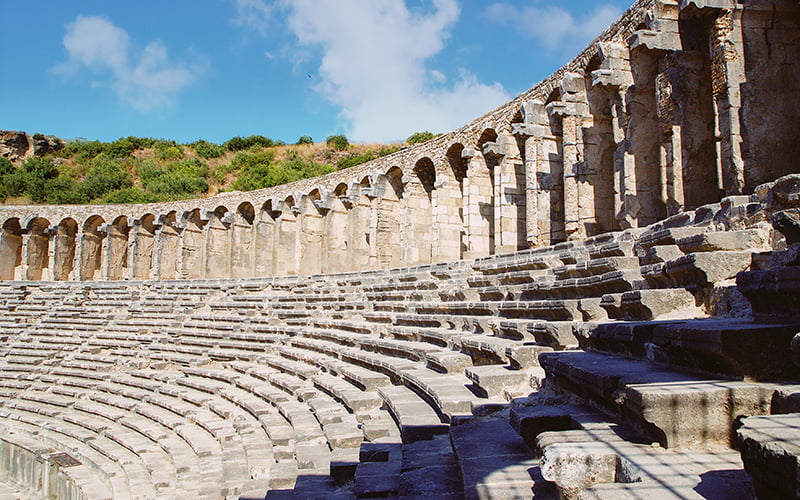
(592, 292)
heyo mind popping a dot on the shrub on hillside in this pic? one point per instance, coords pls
(175, 179)
(104, 177)
(35, 173)
(82, 150)
(358, 159)
(168, 150)
(337, 142)
(418, 137)
(6, 167)
(205, 149)
(125, 146)
(241, 143)
(64, 190)
(260, 170)
(306, 139)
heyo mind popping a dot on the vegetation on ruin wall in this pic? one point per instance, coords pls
(144, 170)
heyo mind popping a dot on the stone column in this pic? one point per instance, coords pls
(265, 245)
(533, 130)
(286, 251)
(416, 233)
(311, 237)
(52, 233)
(21, 271)
(216, 255)
(573, 110)
(115, 251)
(141, 252)
(242, 247)
(389, 251)
(727, 75)
(374, 209)
(479, 207)
(158, 244)
(36, 250)
(10, 243)
(615, 76)
(447, 222)
(337, 231)
(509, 196)
(359, 237)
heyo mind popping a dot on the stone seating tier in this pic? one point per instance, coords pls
(285, 384)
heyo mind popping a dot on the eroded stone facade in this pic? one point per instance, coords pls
(676, 105)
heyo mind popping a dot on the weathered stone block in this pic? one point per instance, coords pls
(706, 268)
(770, 447)
(702, 413)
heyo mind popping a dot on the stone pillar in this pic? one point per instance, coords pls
(10, 253)
(446, 204)
(106, 253)
(52, 233)
(216, 246)
(265, 245)
(359, 238)
(533, 130)
(141, 252)
(192, 246)
(77, 266)
(509, 194)
(614, 76)
(573, 110)
(372, 237)
(158, 250)
(21, 271)
(416, 233)
(479, 207)
(311, 237)
(91, 247)
(337, 232)
(36, 251)
(115, 251)
(286, 251)
(671, 157)
(389, 251)
(728, 75)
(242, 247)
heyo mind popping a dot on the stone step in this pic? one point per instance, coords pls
(611, 469)
(415, 418)
(494, 462)
(430, 470)
(496, 381)
(674, 408)
(722, 346)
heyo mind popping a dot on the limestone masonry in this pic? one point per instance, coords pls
(592, 292)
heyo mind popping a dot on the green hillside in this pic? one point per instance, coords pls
(140, 170)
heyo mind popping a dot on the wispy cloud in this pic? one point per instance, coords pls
(554, 28)
(254, 14)
(146, 79)
(374, 66)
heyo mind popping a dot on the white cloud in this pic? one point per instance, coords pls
(147, 81)
(555, 28)
(253, 14)
(374, 68)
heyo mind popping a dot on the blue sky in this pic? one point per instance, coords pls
(375, 70)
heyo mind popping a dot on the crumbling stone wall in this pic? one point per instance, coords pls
(676, 105)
